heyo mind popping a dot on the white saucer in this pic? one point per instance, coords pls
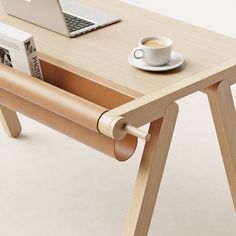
(175, 61)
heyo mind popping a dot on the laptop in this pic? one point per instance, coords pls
(68, 19)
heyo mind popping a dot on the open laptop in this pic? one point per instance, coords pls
(70, 19)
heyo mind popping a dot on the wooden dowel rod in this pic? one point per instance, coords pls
(137, 132)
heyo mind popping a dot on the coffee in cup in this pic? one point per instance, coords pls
(154, 43)
(155, 51)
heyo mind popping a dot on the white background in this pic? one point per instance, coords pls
(216, 15)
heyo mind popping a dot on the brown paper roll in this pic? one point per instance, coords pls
(54, 99)
(120, 150)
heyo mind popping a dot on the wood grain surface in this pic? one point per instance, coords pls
(102, 55)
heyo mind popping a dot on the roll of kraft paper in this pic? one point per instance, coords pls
(60, 110)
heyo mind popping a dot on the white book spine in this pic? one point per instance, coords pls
(33, 60)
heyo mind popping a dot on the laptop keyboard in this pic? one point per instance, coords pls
(74, 23)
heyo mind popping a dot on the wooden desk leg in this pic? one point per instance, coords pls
(150, 174)
(10, 122)
(223, 111)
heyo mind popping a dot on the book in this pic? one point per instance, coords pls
(18, 50)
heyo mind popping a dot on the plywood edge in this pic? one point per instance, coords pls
(143, 110)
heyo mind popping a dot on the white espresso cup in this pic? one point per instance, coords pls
(155, 51)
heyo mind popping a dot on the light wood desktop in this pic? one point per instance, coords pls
(93, 95)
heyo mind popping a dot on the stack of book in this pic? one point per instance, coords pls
(17, 50)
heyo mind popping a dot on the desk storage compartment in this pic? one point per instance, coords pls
(68, 103)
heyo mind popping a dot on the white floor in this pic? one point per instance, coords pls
(51, 185)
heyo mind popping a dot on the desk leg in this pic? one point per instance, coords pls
(223, 112)
(10, 122)
(150, 174)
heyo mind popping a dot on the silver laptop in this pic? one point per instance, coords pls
(70, 19)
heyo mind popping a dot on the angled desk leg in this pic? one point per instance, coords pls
(223, 112)
(150, 174)
(10, 122)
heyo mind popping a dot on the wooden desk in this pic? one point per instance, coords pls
(98, 62)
